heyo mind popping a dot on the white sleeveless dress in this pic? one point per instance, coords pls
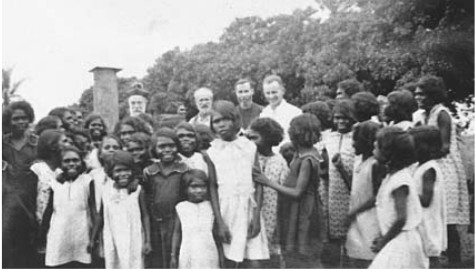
(433, 228)
(122, 233)
(233, 162)
(198, 249)
(405, 250)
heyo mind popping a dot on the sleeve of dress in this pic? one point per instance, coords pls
(42, 198)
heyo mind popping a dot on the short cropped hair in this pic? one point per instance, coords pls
(244, 81)
(321, 110)
(350, 87)
(365, 105)
(304, 130)
(269, 129)
(397, 147)
(433, 87)
(401, 105)
(273, 78)
(20, 105)
(428, 141)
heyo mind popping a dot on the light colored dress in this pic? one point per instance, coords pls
(45, 177)
(405, 124)
(338, 192)
(70, 226)
(365, 228)
(122, 230)
(198, 249)
(233, 162)
(196, 161)
(453, 172)
(276, 170)
(405, 250)
(433, 228)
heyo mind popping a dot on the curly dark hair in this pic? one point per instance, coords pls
(365, 134)
(162, 132)
(20, 105)
(434, 88)
(321, 110)
(304, 130)
(344, 107)
(350, 87)
(269, 129)
(396, 147)
(48, 122)
(58, 112)
(428, 142)
(48, 144)
(401, 105)
(365, 105)
(92, 117)
(137, 123)
(61, 178)
(99, 151)
(190, 128)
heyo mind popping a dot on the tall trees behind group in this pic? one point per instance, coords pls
(382, 43)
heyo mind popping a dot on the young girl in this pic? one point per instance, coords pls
(266, 133)
(364, 226)
(301, 231)
(123, 217)
(68, 215)
(189, 147)
(398, 112)
(398, 208)
(162, 190)
(237, 199)
(192, 234)
(138, 147)
(428, 179)
(340, 151)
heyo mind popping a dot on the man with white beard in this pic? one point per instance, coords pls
(137, 100)
(204, 101)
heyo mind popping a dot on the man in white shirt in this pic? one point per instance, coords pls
(203, 100)
(278, 109)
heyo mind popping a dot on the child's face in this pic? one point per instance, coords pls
(71, 164)
(96, 128)
(341, 122)
(109, 146)
(82, 142)
(137, 151)
(64, 141)
(257, 139)
(122, 175)
(187, 141)
(166, 149)
(197, 190)
(224, 127)
(126, 132)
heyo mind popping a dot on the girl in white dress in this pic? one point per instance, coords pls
(123, 217)
(68, 214)
(398, 208)
(235, 197)
(193, 245)
(428, 177)
(364, 226)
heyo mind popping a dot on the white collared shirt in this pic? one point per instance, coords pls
(283, 114)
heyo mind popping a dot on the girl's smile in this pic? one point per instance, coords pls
(71, 164)
(122, 175)
(166, 149)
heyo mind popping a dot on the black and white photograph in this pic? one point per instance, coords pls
(238, 134)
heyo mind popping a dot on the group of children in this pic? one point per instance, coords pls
(163, 199)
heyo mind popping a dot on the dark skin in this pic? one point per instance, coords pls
(444, 122)
(336, 160)
(428, 178)
(19, 124)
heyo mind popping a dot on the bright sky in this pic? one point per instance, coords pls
(53, 44)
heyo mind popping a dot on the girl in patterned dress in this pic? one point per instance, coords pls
(266, 133)
(123, 217)
(68, 214)
(428, 179)
(193, 245)
(398, 208)
(301, 212)
(339, 144)
(430, 95)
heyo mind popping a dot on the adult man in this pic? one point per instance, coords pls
(137, 100)
(246, 107)
(203, 100)
(278, 109)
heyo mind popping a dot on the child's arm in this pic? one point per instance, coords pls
(336, 160)
(176, 241)
(302, 181)
(92, 200)
(378, 172)
(145, 222)
(428, 182)
(362, 208)
(444, 123)
(400, 197)
(97, 227)
(46, 220)
(223, 230)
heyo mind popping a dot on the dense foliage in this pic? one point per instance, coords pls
(382, 43)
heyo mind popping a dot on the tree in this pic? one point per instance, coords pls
(9, 88)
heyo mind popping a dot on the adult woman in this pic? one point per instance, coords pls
(97, 128)
(126, 127)
(430, 94)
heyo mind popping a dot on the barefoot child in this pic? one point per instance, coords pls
(162, 185)
(123, 217)
(68, 215)
(428, 179)
(193, 245)
(301, 231)
(237, 199)
(398, 207)
(364, 226)
(266, 133)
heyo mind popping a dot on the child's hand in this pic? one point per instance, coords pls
(90, 247)
(173, 262)
(132, 187)
(378, 244)
(224, 233)
(350, 217)
(254, 229)
(336, 160)
(147, 248)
